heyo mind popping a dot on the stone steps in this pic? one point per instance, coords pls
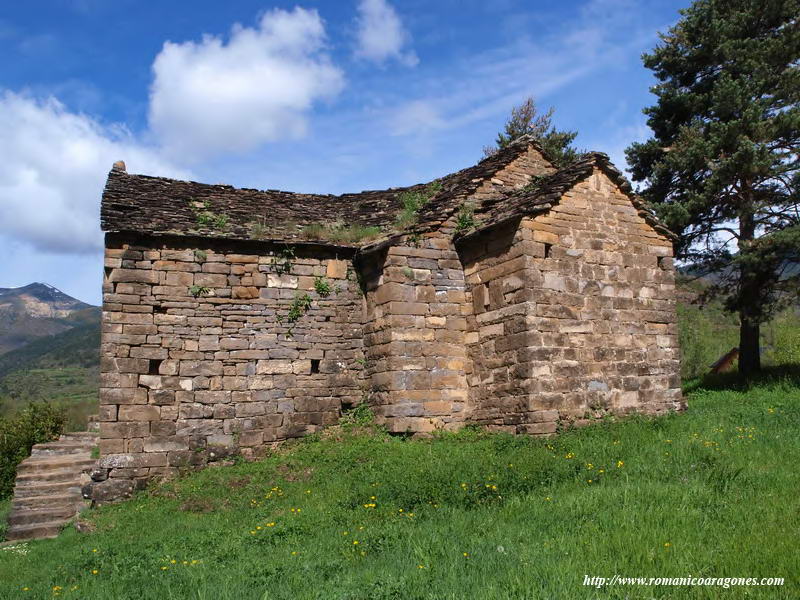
(47, 494)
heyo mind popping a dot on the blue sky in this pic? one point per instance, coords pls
(311, 96)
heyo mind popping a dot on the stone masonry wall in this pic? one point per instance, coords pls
(416, 322)
(188, 379)
(414, 336)
(575, 316)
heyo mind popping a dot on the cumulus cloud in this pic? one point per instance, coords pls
(53, 165)
(381, 35)
(217, 96)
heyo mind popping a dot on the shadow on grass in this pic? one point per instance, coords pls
(789, 374)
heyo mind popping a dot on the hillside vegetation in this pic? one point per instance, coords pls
(357, 514)
(62, 369)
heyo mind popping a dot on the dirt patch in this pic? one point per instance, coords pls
(239, 483)
(198, 505)
(290, 473)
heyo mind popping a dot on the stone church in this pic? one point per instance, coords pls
(510, 294)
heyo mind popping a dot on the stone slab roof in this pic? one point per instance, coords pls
(158, 205)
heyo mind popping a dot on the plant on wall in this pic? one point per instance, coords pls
(282, 262)
(323, 287)
(199, 290)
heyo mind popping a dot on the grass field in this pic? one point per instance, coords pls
(355, 514)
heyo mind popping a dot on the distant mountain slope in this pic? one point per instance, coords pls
(76, 347)
(36, 310)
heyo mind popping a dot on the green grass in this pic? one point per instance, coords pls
(711, 492)
(74, 388)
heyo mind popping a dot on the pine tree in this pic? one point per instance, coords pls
(722, 167)
(525, 120)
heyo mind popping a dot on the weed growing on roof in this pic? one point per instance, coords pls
(412, 202)
(465, 219)
(340, 232)
(535, 184)
(258, 229)
(206, 218)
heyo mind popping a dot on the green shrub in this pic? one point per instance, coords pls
(36, 423)
(783, 338)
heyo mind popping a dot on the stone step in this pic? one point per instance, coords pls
(41, 464)
(47, 492)
(61, 448)
(35, 531)
(50, 476)
(71, 498)
(32, 516)
(34, 488)
(89, 436)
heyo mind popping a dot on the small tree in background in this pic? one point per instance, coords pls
(722, 168)
(525, 120)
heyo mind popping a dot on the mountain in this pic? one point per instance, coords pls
(37, 310)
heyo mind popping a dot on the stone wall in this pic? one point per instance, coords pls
(414, 336)
(574, 313)
(195, 361)
(416, 324)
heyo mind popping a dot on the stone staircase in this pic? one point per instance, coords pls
(48, 488)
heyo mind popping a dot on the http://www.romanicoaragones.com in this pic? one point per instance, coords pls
(723, 582)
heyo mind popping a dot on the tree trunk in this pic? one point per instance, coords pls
(749, 349)
(749, 329)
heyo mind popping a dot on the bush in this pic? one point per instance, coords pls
(36, 423)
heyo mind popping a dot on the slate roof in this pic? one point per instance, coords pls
(157, 205)
(140, 203)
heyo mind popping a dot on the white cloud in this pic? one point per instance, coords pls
(416, 117)
(213, 96)
(381, 34)
(53, 165)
